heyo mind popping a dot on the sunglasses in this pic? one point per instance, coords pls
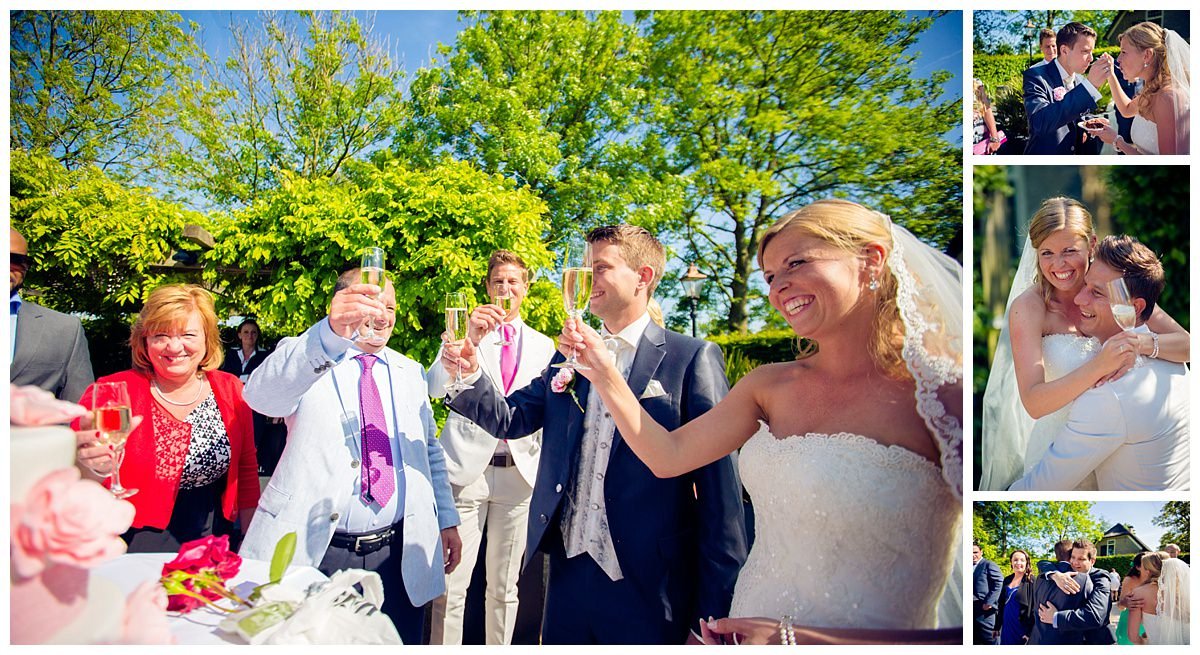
(18, 259)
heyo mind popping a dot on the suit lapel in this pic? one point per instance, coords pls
(489, 360)
(29, 336)
(650, 353)
(574, 416)
(1053, 78)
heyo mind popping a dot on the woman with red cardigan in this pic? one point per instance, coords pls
(191, 454)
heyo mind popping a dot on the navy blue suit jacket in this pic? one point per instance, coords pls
(1088, 624)
(1045, 591)
(682, 539)
(1053, 124)
(987, 581)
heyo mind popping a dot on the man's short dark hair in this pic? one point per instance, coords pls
(1139, 266)
(1062, 550)
(1046, 33)
(1088, 548)
(503, 257)
(1070, 33)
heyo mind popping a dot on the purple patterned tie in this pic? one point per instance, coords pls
(378, 475)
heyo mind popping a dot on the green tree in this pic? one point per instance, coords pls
(1176, 517)
(1033, 525)
(94, 241)
(303, 93)
(97, 88)
(438, 226)
(759, 112)
(549, 99)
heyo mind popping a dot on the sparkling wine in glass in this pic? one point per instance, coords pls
(505, 302)
(1123, 311)
(372, 273)
(576, 290)
(458, 318)
(113, 420)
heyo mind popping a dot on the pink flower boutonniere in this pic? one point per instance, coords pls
(1059, 92)
(564, 380)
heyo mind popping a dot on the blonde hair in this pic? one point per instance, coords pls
(1059, 213)
(638, 247)
(981, 100)
(655, 312)
(168, 307)
(850, 227)
(1148, 36)
(1152, 564)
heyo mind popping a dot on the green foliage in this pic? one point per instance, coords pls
(1002, 77)
(759, 112)
(285, 550)
(97, 87)
(1176, 517)
(305, 95)
(437, 226)
(92, 239)
(1121, 563)
(763, 347)
(1033, 526)
(1004, 32)
(1151, 203)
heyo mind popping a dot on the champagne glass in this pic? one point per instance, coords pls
(1123, 310)
(113, 420)
(372, 273)
(576, 289)
(505, 302)
(458, 320)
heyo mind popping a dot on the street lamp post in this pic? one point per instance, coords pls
(1030, 32)
(692, 281)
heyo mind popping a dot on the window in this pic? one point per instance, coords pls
(1109, 548)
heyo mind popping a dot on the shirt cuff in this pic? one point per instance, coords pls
(334, 345)
(471, 379)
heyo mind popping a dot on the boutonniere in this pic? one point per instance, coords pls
(1059, 92)
(564, 380)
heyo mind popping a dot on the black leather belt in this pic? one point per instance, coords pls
(363, 544)
(504, 459)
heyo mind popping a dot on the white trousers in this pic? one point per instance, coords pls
(497, 501)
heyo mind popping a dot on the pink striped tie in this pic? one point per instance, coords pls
(378, 474)
(508, 356)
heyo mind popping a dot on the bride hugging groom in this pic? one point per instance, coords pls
(1110, 405)
(1060, 97)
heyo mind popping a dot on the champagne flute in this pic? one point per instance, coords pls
(505, 302)
(576, 289)
(372, 273)
(458, 321)
(1123, 311)
(113, 420)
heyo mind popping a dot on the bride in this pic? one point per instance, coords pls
(852, 454)
(1043, 362)
(1161, 112)
(1164, 602)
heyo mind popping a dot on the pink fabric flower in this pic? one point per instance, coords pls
(1059, 92)
(145, 619)
(562, 380)
(65, 520)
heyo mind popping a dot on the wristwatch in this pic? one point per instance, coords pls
(994, 139)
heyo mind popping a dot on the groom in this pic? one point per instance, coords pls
(1058, 93)
(633, 559)
(1132, 431)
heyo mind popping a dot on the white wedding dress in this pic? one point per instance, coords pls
(1144, 134)
(848, 532)
(1150, 624)
(1061, 354)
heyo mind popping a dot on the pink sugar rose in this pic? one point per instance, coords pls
(145, 619)
(65, 520)
(1059, 92)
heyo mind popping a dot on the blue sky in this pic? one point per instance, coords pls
(1137, 514)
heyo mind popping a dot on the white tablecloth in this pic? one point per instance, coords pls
(199, 626)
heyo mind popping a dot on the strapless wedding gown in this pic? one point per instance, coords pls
(1144, 133)
(848, 532)
(1061, 354)
(1150, 625)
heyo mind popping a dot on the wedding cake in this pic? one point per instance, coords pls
(61, 526)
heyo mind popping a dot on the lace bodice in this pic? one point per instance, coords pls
(848, 532)
(1144, 133)
(1061, 354)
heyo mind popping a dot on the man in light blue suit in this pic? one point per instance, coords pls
(362, 480)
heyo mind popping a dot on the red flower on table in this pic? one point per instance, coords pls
(198, 573)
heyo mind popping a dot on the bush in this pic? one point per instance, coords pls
(744, 352)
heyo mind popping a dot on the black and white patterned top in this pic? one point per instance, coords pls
(209, 451)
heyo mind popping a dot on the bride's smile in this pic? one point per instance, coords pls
(1062, 257)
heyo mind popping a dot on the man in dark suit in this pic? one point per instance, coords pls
(987, 581)
(633, 558)
(1058, 93)
(1089, 622)
(1058, 586)
(49, 349)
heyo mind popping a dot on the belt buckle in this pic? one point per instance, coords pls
(367, 544)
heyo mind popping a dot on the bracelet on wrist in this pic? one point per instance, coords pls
(787, 634)
(1154, 336)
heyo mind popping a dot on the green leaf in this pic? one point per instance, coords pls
(285, 550)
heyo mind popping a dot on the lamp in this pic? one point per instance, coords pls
(692, 280)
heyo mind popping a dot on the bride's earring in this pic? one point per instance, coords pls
(874, 284)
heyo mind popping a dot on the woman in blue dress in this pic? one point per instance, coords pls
(1014, 620)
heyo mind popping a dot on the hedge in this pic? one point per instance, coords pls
(744, 352)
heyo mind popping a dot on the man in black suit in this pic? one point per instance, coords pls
(1089, 622)
(634, 559)
(987, 581)
(1058, 93)
(49, 349)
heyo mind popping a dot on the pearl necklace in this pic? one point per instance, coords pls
(164, 398)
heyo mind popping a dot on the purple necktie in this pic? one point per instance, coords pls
(378, 475)
(508, 357)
